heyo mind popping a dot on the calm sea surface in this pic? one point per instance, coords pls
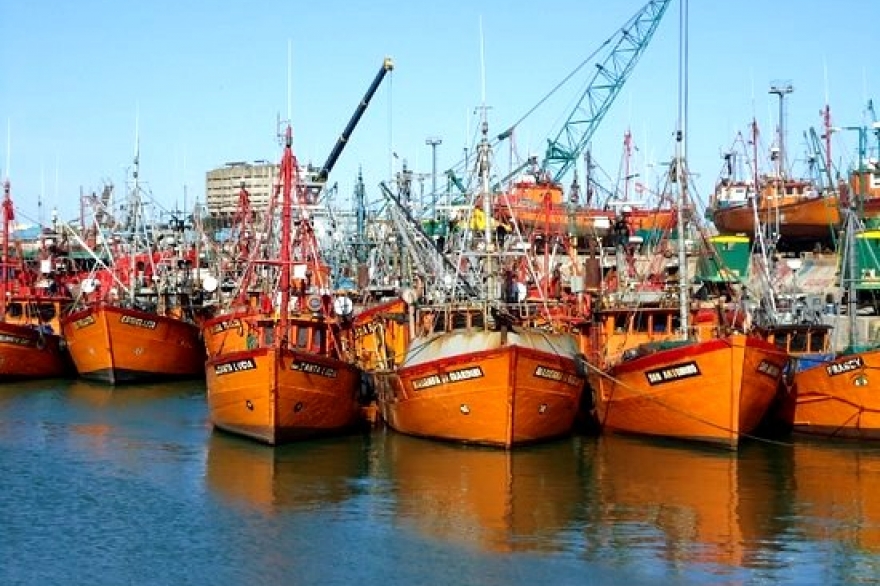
(131, 486)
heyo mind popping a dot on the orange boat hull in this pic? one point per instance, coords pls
(25, 353)
(500, 397)
(815, 219)
(275, 396)
(121, 345)
(714, 391)
(837, 398)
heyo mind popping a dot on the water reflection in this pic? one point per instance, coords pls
(687, 505)
(495, 500)
(300, 476)
(102, 395)
(837, 490)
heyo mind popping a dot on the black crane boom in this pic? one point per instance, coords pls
(387, 65)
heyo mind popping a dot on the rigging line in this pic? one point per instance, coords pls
(555, 89)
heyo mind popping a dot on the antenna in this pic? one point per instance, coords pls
(42, 194)
(482, 64)
(8, 146)
(289, 79)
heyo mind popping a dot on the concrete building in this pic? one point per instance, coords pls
(222, 186)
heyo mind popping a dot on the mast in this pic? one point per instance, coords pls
(8, 217)
(679, 176)
(781, 90)
(286, 184)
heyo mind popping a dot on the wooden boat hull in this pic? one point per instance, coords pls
(495, 394)
(276, 396)
(121, 345)
(837, 398)
(26, 354)
(811, 219)
(713, 391)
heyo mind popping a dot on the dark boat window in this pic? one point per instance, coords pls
(478, 320)
(781, 341)
(459, 320)
(660, 323)
(14, 310)
(620, 322)
(440, 321)
(302, 337)
(268, 335)
(817, 341)
(641, 322)
(798, 342)
(317, 340)
(47, 311)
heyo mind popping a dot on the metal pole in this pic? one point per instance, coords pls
(433, 142)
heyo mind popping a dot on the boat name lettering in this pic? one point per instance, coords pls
(557, 375)
(453, 376)
(17, 340)
(836, 368)
(139, 322)
(312, 368)
(225, 325)
(365, 329)
(235, 366)
(84, 322)
(672, 373)
(770, 369)
(465, 374)
(426, 382)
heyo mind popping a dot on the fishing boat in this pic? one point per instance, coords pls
(801, 212)
(463, 355)
(711, 383)
(538, 204)
(133, 319)
(833, 397)
(668, 365)
(796, 212)
(30, 343)
(278, 367)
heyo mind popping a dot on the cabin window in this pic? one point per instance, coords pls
(317, 340)
(798, 342)
(268, 335)
(14, 310)
(478, 320)
(641, 322)
(781, 342)
(440, 321)
(660, 324)
(620, 322)
(302, 337)
(817, 341)
(43, 311)
(459, 320)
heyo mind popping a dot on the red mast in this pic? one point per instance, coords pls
(287, 176)
(8, 217)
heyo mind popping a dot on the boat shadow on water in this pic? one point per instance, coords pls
(483, 498)
(300, 476)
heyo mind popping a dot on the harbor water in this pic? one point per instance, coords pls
(130, 485)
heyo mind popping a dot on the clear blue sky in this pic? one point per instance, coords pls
(206, 79)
